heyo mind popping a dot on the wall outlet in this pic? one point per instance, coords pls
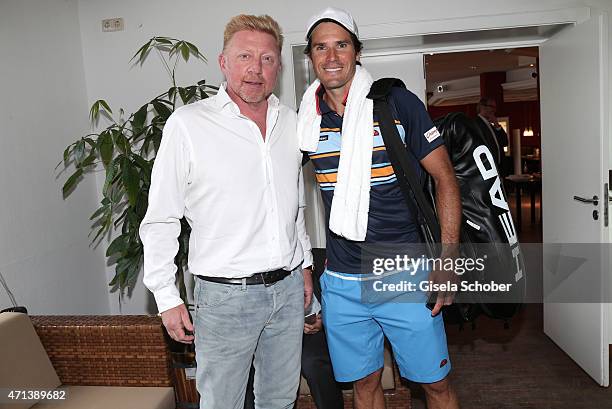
(112, 24)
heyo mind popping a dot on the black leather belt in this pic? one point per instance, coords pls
(267, 278)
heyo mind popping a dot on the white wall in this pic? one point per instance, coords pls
(44, 252)
(56, 61)
(202, 22)
(106, 55)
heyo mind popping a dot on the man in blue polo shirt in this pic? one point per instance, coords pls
(365, 206)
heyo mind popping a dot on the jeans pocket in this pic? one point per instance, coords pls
(215, 294)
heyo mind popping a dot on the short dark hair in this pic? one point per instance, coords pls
(357, 45)
(485, 102)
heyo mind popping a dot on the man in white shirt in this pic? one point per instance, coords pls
(231, 166)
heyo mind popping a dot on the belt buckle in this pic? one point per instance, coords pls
(263, 279)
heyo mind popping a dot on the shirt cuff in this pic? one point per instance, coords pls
(307, 259)
(167, 297)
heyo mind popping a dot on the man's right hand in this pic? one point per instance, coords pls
(176, 320)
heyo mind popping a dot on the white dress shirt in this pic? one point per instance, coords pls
(243, 196)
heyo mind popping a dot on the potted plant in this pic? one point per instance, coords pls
(126, 149)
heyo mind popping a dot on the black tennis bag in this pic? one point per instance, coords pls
(487, 228)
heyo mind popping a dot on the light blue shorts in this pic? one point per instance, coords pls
(357, 318)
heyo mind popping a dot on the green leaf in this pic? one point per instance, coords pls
(140, 117)
(131, 180)
(156, 138)
(121, 141)
(161, 109)
(111, 171)
(194, 50)
(164, 101)
(106, 147)
(142, 50)
(67, 155)
(172, 93)
(183, 95)
(88, 160)
(98, 212)
(118, 245)
(94, 112)
(150, 139)
(79, 152)
(184, 51)
(132, 274)
(174, 49)
(105, 106)
(114, 281)
(191, 91)
(116, 194)
(71, 182)
(163, 40)
(142, 163)
(90, 142)
(143, 199)
(120, 218)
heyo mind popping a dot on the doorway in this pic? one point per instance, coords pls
(456, 81)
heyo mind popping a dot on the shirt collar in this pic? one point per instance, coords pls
(322, 106)
(223, 100)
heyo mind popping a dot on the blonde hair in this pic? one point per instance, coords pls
(264, 24)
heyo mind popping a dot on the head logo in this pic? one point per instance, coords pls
(486, 165)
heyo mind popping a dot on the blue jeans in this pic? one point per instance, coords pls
(233, 324)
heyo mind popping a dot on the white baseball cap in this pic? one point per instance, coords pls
(336, 15)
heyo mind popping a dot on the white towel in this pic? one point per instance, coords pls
(351, 203)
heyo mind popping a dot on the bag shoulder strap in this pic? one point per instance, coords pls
(381, 88)
(406, 177)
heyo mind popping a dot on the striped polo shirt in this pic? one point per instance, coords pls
(390, 220)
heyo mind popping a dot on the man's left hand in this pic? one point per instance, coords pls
(447, 279)
(310, 329)
(307, 272)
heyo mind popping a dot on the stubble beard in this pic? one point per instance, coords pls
(252, 97)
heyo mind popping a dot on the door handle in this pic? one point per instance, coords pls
(605, 206)
(594, 200)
